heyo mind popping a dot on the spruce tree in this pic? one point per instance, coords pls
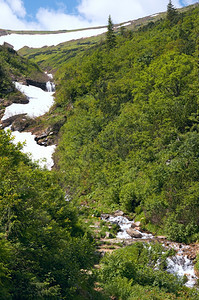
(110, 35)
(171, 13)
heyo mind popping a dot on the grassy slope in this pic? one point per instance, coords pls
(53, 57)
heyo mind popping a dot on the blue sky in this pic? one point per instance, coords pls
(73, 14)
(69, 6)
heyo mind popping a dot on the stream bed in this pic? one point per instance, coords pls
(178, 264)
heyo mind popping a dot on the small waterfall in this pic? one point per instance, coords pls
(181, 265)
(125, 224)
(50, 86)
(178, 264)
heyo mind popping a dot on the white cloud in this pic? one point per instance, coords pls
(121, 10)
(90, 13)
(55, 20)
(17, 7)
(188, 2)
(12, 13)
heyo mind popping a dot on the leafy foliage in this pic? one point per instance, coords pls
(43, 250)
(132, 125)
(13, 66)
(136, 272)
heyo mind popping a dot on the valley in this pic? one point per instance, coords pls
(113, 211)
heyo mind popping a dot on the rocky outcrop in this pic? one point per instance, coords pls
(18, 122)
(42, 139)
(41, 85)
(3, 32)
(21, 123)
(48, 136)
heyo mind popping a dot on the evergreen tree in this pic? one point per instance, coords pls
(171, 13)
(110, 35)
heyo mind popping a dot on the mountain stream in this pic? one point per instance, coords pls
(178, 264)
(39, 103)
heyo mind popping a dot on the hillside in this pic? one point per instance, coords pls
(14, 67)
(125, 121)
(133, 113)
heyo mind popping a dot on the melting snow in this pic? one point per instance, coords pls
(39, 102)
(41, 40)
(125, 24)
(181, 265)
(37, 152)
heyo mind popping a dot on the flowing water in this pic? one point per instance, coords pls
(178, 264)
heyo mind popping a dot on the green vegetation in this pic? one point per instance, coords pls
(131, 135)
(44, 252)
(110, 35)
(129, 140)
(131, 273)
(172, 14)
(12, 67)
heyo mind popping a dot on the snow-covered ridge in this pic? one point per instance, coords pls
(41, 40)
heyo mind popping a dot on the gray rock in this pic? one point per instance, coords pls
(161, 237)
(133, 233)
(41, 85)
(119, 213)
(105, 216)
(136, 224)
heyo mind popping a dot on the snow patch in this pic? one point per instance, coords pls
(39, 102)
(41, 40)
(40, 154)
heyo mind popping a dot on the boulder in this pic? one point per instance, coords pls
(137, 228)
(136, 224)
(7, 122)
(41, 136)
(105, 216)
(133, 233)
(161, 237)
(21, 123)
(119, 213)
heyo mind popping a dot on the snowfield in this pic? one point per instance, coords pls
(39, 102)
(40, 154)
(41, 40)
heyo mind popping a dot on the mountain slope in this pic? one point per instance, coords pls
(14, 67)
(131, 136)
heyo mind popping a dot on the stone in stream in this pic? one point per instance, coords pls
(119, 213)
(136, 224)
(161, 237)
(133, 233)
